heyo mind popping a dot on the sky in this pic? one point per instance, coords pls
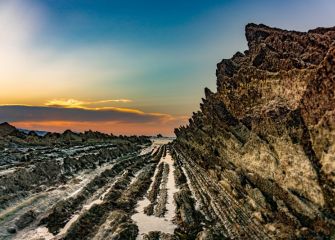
(126, 67)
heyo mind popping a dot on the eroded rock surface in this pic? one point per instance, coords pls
(267, 136)
(47, 187)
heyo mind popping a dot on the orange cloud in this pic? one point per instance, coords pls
(106, 127)
(110, 119)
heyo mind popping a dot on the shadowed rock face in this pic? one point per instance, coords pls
(6, 129)
(268, 133)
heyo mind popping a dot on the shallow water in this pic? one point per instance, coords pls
(165, 224)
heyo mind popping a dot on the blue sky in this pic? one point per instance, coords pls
(158, 54)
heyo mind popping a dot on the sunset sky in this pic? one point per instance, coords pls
(127, 67)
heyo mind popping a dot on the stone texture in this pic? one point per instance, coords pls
(268, 134)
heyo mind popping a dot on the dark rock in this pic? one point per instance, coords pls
(6, 129)
(11, 230)
(117, 226)
(158, 236)
(26, 219)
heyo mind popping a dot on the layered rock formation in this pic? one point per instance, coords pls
(72, 180)
(11, 137)
(267, 136)
(27, 168)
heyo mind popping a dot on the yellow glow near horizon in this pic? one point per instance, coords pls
(70, 103)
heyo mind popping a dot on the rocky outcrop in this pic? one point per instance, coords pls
(30, 164)
(11, 137)
(35, 176)
(7, 129)
(267, 136)
(122, 196)
(85, 191)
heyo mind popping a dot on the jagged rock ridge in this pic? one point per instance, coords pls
(268, 134)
